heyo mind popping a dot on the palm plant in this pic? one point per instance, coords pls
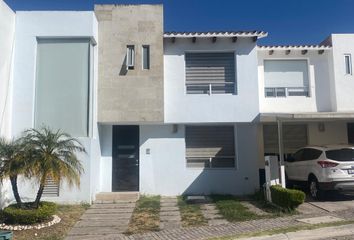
(12, 163)
(53, 155)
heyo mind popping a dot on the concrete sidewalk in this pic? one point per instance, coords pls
(316, 234)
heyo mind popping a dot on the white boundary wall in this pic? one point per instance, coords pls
(53, 24)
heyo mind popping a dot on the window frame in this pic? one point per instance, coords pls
(235, 138)
(145, 46)
(130, 57)
(235, 91)
(287, 59)
(348, 64)
(91, 79)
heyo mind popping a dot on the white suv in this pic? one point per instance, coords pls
(323, 168)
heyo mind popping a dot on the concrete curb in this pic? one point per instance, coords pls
(316, 234)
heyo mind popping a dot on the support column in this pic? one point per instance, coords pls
(281, 153)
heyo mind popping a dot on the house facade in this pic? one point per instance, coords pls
(167, 113)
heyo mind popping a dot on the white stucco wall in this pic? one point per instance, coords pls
(29, 26)
(183, 108)
(343, 83)
(319, 84)
(334, 133)
(7, 37)
(105, 132)
(164, 170)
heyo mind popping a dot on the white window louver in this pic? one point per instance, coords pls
(51, 188)
(210, 146)
(210, 73)
(294, 137)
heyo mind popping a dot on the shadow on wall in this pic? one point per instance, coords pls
(123, 70)
(224, 182)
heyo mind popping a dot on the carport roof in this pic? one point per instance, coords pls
(316, 116)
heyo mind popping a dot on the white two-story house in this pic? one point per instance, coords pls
(167, 113)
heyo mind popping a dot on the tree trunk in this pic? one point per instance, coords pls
(13, 180)
(40, 191)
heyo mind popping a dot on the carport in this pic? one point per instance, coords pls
(341, 131)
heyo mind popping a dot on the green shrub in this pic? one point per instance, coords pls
(286, 198)
(28, 215)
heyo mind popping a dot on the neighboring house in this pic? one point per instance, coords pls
(169, 113)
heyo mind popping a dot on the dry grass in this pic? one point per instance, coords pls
(69, 215)
(191, 215)
(146, 215)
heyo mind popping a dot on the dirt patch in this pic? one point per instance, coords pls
(146, 215)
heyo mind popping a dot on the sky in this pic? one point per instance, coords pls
(286, 21)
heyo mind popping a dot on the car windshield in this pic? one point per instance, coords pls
(344, 155)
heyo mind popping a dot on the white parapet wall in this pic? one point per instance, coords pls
(7, 38)
(31, 25)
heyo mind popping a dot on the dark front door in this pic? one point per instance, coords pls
(125, 156)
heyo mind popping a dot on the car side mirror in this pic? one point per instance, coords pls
(290, 159)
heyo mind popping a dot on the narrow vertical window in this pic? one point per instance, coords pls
(130, 56)
(146, 57)
(348, 63)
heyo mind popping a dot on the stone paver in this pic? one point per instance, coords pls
(170, 217)
(205, 232)
(318, 220)
(212, 215)
(308, 208)
(348, 237)
(101, 220)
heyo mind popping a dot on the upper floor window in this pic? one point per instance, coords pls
(210, 73)
(130, 58)
(285, 78)
(348, 63)
(62, 98)
(146, 57)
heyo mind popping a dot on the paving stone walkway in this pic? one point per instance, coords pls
(170, 217)
(211, 214)
(103, 219)
(109, 221)
(229, 229)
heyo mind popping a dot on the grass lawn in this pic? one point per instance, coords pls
(146, 215)
(233, 211)
(191, 214)
(231, 208)
(69, 215)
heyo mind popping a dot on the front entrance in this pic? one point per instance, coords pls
(125, 158)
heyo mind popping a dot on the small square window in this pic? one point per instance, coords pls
(348, 63)
(146, 57)
(130, 58)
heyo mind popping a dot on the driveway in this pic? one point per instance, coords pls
(334, 201)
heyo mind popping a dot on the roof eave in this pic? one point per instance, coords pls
(219, 35)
